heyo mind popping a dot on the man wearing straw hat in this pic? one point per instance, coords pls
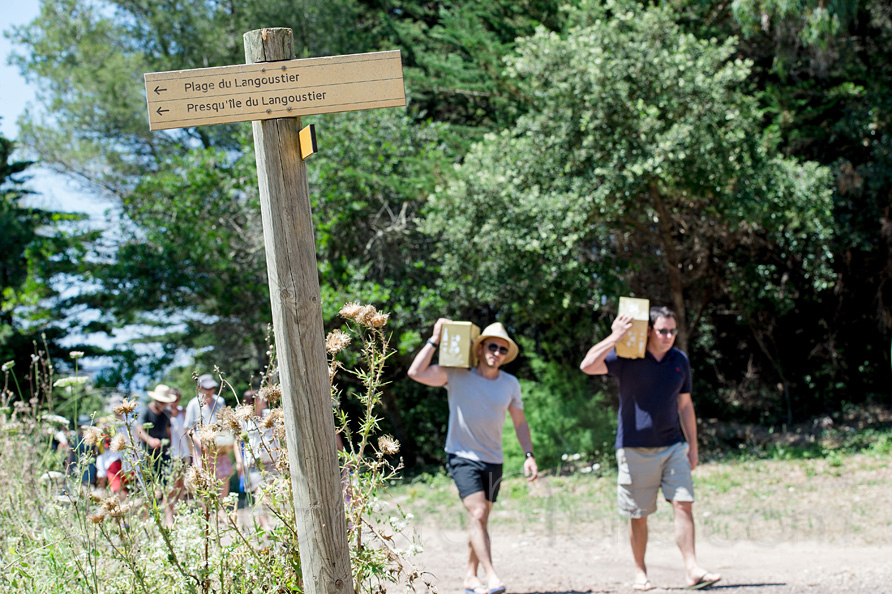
(156, 416)
(479, 398)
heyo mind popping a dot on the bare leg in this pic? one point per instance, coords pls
(471, 579)
(684, 538)
(638, 539)
(478, 537)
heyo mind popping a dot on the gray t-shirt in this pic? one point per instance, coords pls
(477, 408)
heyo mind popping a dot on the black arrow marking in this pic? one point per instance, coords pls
(160, 111)
(158, 90)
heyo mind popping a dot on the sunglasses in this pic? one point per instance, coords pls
(494, 348)
(667, 331)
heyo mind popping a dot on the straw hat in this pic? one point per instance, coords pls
(162, 394)
(497, 330)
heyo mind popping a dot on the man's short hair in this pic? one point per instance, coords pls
(660, 311)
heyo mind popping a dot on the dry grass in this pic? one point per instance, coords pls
(839, 499)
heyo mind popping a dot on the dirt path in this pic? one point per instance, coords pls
(578, 563)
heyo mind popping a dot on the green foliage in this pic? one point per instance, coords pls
(565, 414)
(192, 256)
(39, 249)
(641, 168)
(454, 53)
(732, 160)
(814, 23)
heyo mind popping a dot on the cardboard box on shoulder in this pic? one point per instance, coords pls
(634, 343)
(456, 339)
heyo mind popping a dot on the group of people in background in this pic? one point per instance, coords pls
(162, 438)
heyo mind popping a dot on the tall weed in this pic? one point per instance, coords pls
(59, 535)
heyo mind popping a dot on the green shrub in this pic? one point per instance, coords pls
(565, 414)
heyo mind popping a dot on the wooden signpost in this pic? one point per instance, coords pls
(270, 91)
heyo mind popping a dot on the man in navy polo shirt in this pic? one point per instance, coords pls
(656, 416)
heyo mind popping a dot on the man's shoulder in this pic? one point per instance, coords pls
(456, 372)
(507, 377)
(680, 354)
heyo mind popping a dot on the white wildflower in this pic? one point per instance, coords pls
(69, 381)
(55, 419)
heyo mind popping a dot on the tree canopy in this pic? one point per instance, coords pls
(732, 161)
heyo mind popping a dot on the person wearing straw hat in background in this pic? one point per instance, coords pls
(479, 399)
(157, 436)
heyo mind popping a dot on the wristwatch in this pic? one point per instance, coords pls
(530, 455)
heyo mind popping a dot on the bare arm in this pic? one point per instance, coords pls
(593, 364)
(421, 369)
(239, 464)
(688, 421)
(522, 430)
(152, 442)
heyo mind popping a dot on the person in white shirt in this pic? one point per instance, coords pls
(201, 411)
(180, 444)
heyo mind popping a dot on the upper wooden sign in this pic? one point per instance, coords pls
(289, 88)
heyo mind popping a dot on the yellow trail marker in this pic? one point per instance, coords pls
(307, 141)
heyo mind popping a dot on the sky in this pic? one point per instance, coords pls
(51, 190)
(15, 95)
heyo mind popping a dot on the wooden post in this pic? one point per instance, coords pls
(300, 341)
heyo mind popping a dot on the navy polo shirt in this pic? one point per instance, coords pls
(648, 398)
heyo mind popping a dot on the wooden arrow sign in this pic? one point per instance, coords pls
(246, 92)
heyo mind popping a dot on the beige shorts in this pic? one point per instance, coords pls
(643, 471)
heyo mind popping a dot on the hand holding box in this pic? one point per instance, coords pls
(456, 340)
(634, 343)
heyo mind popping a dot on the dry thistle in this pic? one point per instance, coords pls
(198, 479)
(122, 510)
(227, 419)
(244, 412)
(279, 432)
(92, 436)
(274, 416)
(336, 341)
(126, 407)
(118, 443)
(366, 314)
(272, 394)
(378, 320)
(98, 518)
(388, 445)
(207, 434)
(110, 503)
(350, 310)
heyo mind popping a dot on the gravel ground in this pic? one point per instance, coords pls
(531, 563)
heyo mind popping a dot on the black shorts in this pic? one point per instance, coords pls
(472, 476)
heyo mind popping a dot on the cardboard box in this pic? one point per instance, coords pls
(456, 339)
(634, 343)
